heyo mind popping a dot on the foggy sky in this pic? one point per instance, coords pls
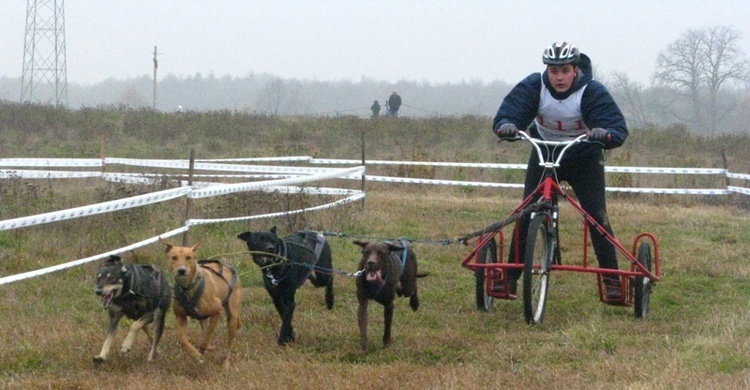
(424, 40)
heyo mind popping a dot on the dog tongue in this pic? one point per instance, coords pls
(375, 276)
(107, 299)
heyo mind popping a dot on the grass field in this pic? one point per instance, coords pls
(697, 335)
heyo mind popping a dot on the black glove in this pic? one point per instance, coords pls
(507, 130)
(598, 134)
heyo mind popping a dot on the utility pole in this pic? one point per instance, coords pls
(156, 66)
(44, 51)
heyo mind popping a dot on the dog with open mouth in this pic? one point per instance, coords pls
(387, 269)
(138, 292)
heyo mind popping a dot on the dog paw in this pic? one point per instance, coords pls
(125, 349)
(100, 359)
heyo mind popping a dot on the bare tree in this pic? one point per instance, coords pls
(700, 62)
(132, 98)
(724, 62)
(631, 100)
(279, 97)
(272, 97)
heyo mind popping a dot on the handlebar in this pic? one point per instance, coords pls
(537, 143)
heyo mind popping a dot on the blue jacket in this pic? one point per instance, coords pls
(598, 107)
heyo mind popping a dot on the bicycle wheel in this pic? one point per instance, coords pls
(487, 254)
(540, 244)
(642, 293)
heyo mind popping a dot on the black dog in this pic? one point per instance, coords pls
(387, 269)
(138, 292)
(287, 263)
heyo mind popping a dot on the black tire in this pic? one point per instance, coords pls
(538, 257)
(486, 255)
(643, 285)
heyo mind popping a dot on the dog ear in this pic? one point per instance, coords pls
(168, 245)
(196, 245)
(273, 230)
(361, 243)
(244, 236)
(112, 260)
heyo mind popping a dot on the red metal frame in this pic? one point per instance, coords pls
(547, 189)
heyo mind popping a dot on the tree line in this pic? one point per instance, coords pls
(700, 81)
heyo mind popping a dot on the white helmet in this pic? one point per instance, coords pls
(561, 53)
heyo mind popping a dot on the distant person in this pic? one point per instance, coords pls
(375, 109)
(394, 103)
(559, 104)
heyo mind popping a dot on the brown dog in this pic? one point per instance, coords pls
(387, 269)
(203, 290)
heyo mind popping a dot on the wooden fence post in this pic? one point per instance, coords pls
(187, 199)
(726, 166)
(362, 184)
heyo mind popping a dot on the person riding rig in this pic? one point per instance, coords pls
(558, 104)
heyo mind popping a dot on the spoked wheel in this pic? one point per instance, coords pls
(642, 293)
(538, 257)
(486, 255)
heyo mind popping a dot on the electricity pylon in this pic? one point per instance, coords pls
(44, 62)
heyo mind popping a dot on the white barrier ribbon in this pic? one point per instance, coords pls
(350, 199)
(672, 191)
(50, 162)
(99, 208)
(59, 267)
(740, 190)
(250, 186)
(738, 176)
(258, 159)
(33, 174)
(184, 164)
(391, 179)
(672, 171)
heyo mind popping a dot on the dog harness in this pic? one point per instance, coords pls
(189, 301)
(134, 280)
(404, 255)
(316, 237)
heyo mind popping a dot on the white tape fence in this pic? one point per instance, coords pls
(284, 179)
(266, 178)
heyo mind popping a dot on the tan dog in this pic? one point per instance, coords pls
(203, 290)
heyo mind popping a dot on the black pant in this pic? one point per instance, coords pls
(586, 176)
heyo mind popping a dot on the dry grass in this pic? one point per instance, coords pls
(696, 337)
(52, 326)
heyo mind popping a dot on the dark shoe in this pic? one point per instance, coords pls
(613, 292)
(498, 286)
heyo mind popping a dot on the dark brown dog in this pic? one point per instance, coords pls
(203, 290)
(386, 269)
